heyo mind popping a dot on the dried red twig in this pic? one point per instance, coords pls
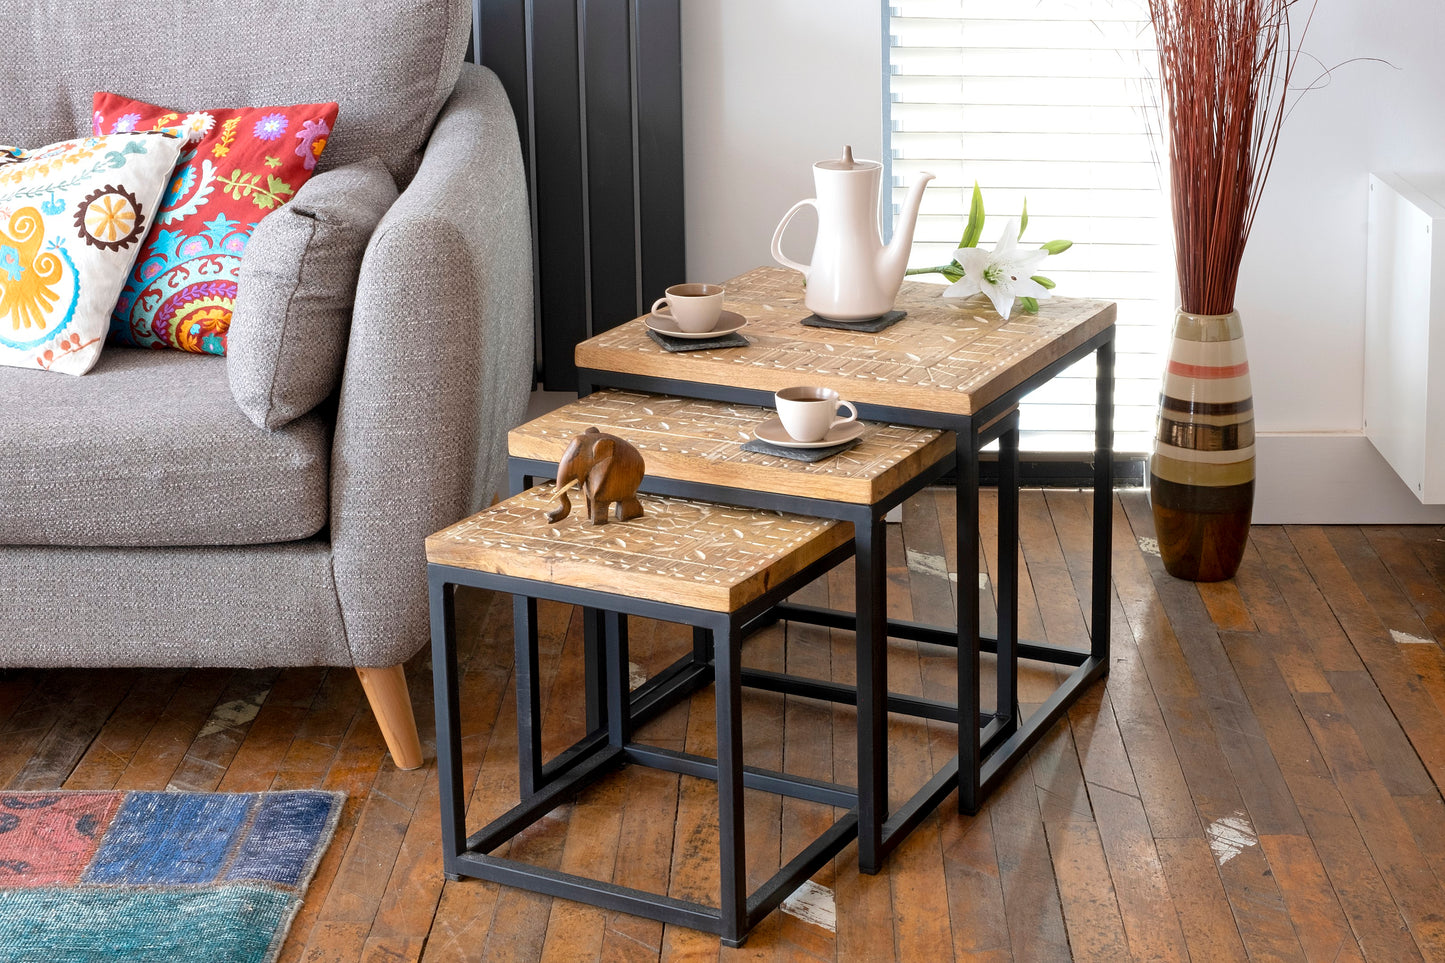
(1225, 69)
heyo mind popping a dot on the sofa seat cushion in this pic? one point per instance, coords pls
(150, 449)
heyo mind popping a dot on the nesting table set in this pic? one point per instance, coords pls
(728, 535)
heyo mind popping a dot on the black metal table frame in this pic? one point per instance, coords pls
(544, 787)
(985, 752)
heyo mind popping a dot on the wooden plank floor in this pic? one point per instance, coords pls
(1258, 778)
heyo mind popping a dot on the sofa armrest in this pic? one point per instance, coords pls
(438, 367)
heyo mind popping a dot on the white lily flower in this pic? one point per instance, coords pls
(1003, 274)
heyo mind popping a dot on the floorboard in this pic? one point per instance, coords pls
(1258, 778)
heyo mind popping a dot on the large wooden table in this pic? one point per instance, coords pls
(945, 358)
(951, 365)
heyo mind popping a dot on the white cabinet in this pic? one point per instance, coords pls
(1405, 329)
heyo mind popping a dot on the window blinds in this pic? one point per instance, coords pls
(1049, 100)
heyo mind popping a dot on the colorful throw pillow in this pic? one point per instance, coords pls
(239, 166)
(73, 217)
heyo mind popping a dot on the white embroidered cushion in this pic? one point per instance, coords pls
(72, 219)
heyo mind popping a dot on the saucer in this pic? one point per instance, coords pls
(772, 432)
(727, 323)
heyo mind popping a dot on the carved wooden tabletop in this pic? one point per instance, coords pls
(694, 440)
(946, 356)
(713, 557)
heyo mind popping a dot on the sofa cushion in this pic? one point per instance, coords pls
(298, 283)
(239, 166)
(150, 449)
(245, 607)
(73, 216)
(389, 63)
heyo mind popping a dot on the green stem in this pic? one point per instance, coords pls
(936, 269)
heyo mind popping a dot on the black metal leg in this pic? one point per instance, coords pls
(736, 911)
(518, 478)
(593, 668)
(871, 644)
(449, 723)
(732, 851)
(1103, 502)
(969, 755)
(1006, 578)
(701, 644)
(529, 719)
(619, 704)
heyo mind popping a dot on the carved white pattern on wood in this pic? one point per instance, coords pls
(677, 542)
(961, 348)
(669, 431)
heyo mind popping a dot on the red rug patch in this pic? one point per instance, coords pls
(49, 839)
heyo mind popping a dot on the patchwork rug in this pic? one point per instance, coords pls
(156, 876)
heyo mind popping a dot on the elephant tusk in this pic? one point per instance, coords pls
(564, 489)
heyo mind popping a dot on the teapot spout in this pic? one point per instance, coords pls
(894, 260)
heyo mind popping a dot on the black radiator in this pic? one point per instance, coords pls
(597, 90)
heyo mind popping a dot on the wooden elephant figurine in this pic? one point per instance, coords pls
(608, 469)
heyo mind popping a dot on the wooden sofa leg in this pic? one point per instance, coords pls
(391, 704)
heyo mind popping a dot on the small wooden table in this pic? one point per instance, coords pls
(948, 365)
(715, 567)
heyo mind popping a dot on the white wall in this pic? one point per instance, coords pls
(770, 87)
(1302, 284)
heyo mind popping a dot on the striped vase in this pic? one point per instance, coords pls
(1201, 476)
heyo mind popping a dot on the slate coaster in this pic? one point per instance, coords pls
(798, 454)
(733, 340)
(868, 327)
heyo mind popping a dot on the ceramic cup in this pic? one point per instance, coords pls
(808, 414)
(694, 307)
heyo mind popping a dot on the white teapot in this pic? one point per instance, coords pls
(854, 276)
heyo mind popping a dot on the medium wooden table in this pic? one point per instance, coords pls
(693, 448)
(957, 366)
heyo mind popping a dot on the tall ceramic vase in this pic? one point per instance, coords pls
(1201, 476)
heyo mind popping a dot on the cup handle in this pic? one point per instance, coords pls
(852, 414)
(660, 301)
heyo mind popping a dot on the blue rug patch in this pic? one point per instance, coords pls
(282, 838)
(169, 838)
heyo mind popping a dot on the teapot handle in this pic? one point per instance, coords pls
(778, 254)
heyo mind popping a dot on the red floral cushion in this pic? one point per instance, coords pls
(239, 166)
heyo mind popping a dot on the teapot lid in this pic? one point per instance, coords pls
(847, 163)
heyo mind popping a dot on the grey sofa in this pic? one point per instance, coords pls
(144, 521)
